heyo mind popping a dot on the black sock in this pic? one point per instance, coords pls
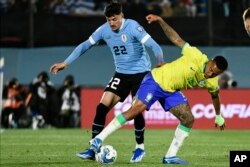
(139, 123)
(99, 121)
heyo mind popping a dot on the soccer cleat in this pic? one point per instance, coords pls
(137, 156)
(173, 160)
(88, 154)
(95, 144)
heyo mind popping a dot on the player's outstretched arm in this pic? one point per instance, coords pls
(57, 67)
(172, 35)
(219, 120)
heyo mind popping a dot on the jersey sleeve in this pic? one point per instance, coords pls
(139, 32)
(84, 46)
(212, 84)
(193, 53)
(190, 51)
(155, 48)
(78, 51)
(97, 35)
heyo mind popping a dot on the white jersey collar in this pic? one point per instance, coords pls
(123, 21)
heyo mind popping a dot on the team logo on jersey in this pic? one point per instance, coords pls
(149, 97)
(124, 38)
(202, 83)
(140, 28)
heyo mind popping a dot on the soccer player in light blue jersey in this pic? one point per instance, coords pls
(164, 84)
(127, 40)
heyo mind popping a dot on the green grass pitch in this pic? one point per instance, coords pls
(57, 147)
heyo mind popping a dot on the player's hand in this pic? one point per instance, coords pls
(153, 18)
(219, 121)
(57, 67)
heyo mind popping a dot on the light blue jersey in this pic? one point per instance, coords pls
(127, 46)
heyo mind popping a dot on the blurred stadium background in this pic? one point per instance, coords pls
(34, 34)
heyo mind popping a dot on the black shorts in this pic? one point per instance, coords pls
(122, 84)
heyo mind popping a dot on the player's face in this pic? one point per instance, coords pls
(211, 70)
(115, 21)
(247, 25)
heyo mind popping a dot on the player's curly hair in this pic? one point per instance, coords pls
(221, 62)
(113, 8)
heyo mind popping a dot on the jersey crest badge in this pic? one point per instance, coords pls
(202, 83)
(149, 97)
(124, 38)
(140, 28)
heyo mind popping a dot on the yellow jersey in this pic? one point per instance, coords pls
(185, 72)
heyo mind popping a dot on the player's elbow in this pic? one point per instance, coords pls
(178, 42)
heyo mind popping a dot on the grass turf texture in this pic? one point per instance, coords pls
(57, 147)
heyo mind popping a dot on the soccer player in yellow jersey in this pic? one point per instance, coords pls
(192, 69)
(246, 20)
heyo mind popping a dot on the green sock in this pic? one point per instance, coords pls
(115, 124)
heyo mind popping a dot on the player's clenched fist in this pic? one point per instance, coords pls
(57, 67)
(153, 18)
(219, 121)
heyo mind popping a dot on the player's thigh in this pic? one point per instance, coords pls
(118, 86)
(135, 82)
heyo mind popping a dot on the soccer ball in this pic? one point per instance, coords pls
(107, 155)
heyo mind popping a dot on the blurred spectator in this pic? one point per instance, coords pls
(166, 9)
(41, 102)
(14, 95)
(69, 102)
(202, 7)
(226, 80)
(77, 7)
(153, 7)
(225, 4)
(88, 7)
(179, 9)
(5, 5)
(190, 7)
(61, 6)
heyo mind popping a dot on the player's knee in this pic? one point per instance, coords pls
(134, 111)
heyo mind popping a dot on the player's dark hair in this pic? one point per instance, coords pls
(44, 76)
(221, 62)
(69, 79)
(13, 82)
(247, 14)
(113, 8)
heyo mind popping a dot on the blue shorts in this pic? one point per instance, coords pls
(150, 91)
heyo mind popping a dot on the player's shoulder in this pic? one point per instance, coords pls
(105, 26)
(133, 26)
(131, 22)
